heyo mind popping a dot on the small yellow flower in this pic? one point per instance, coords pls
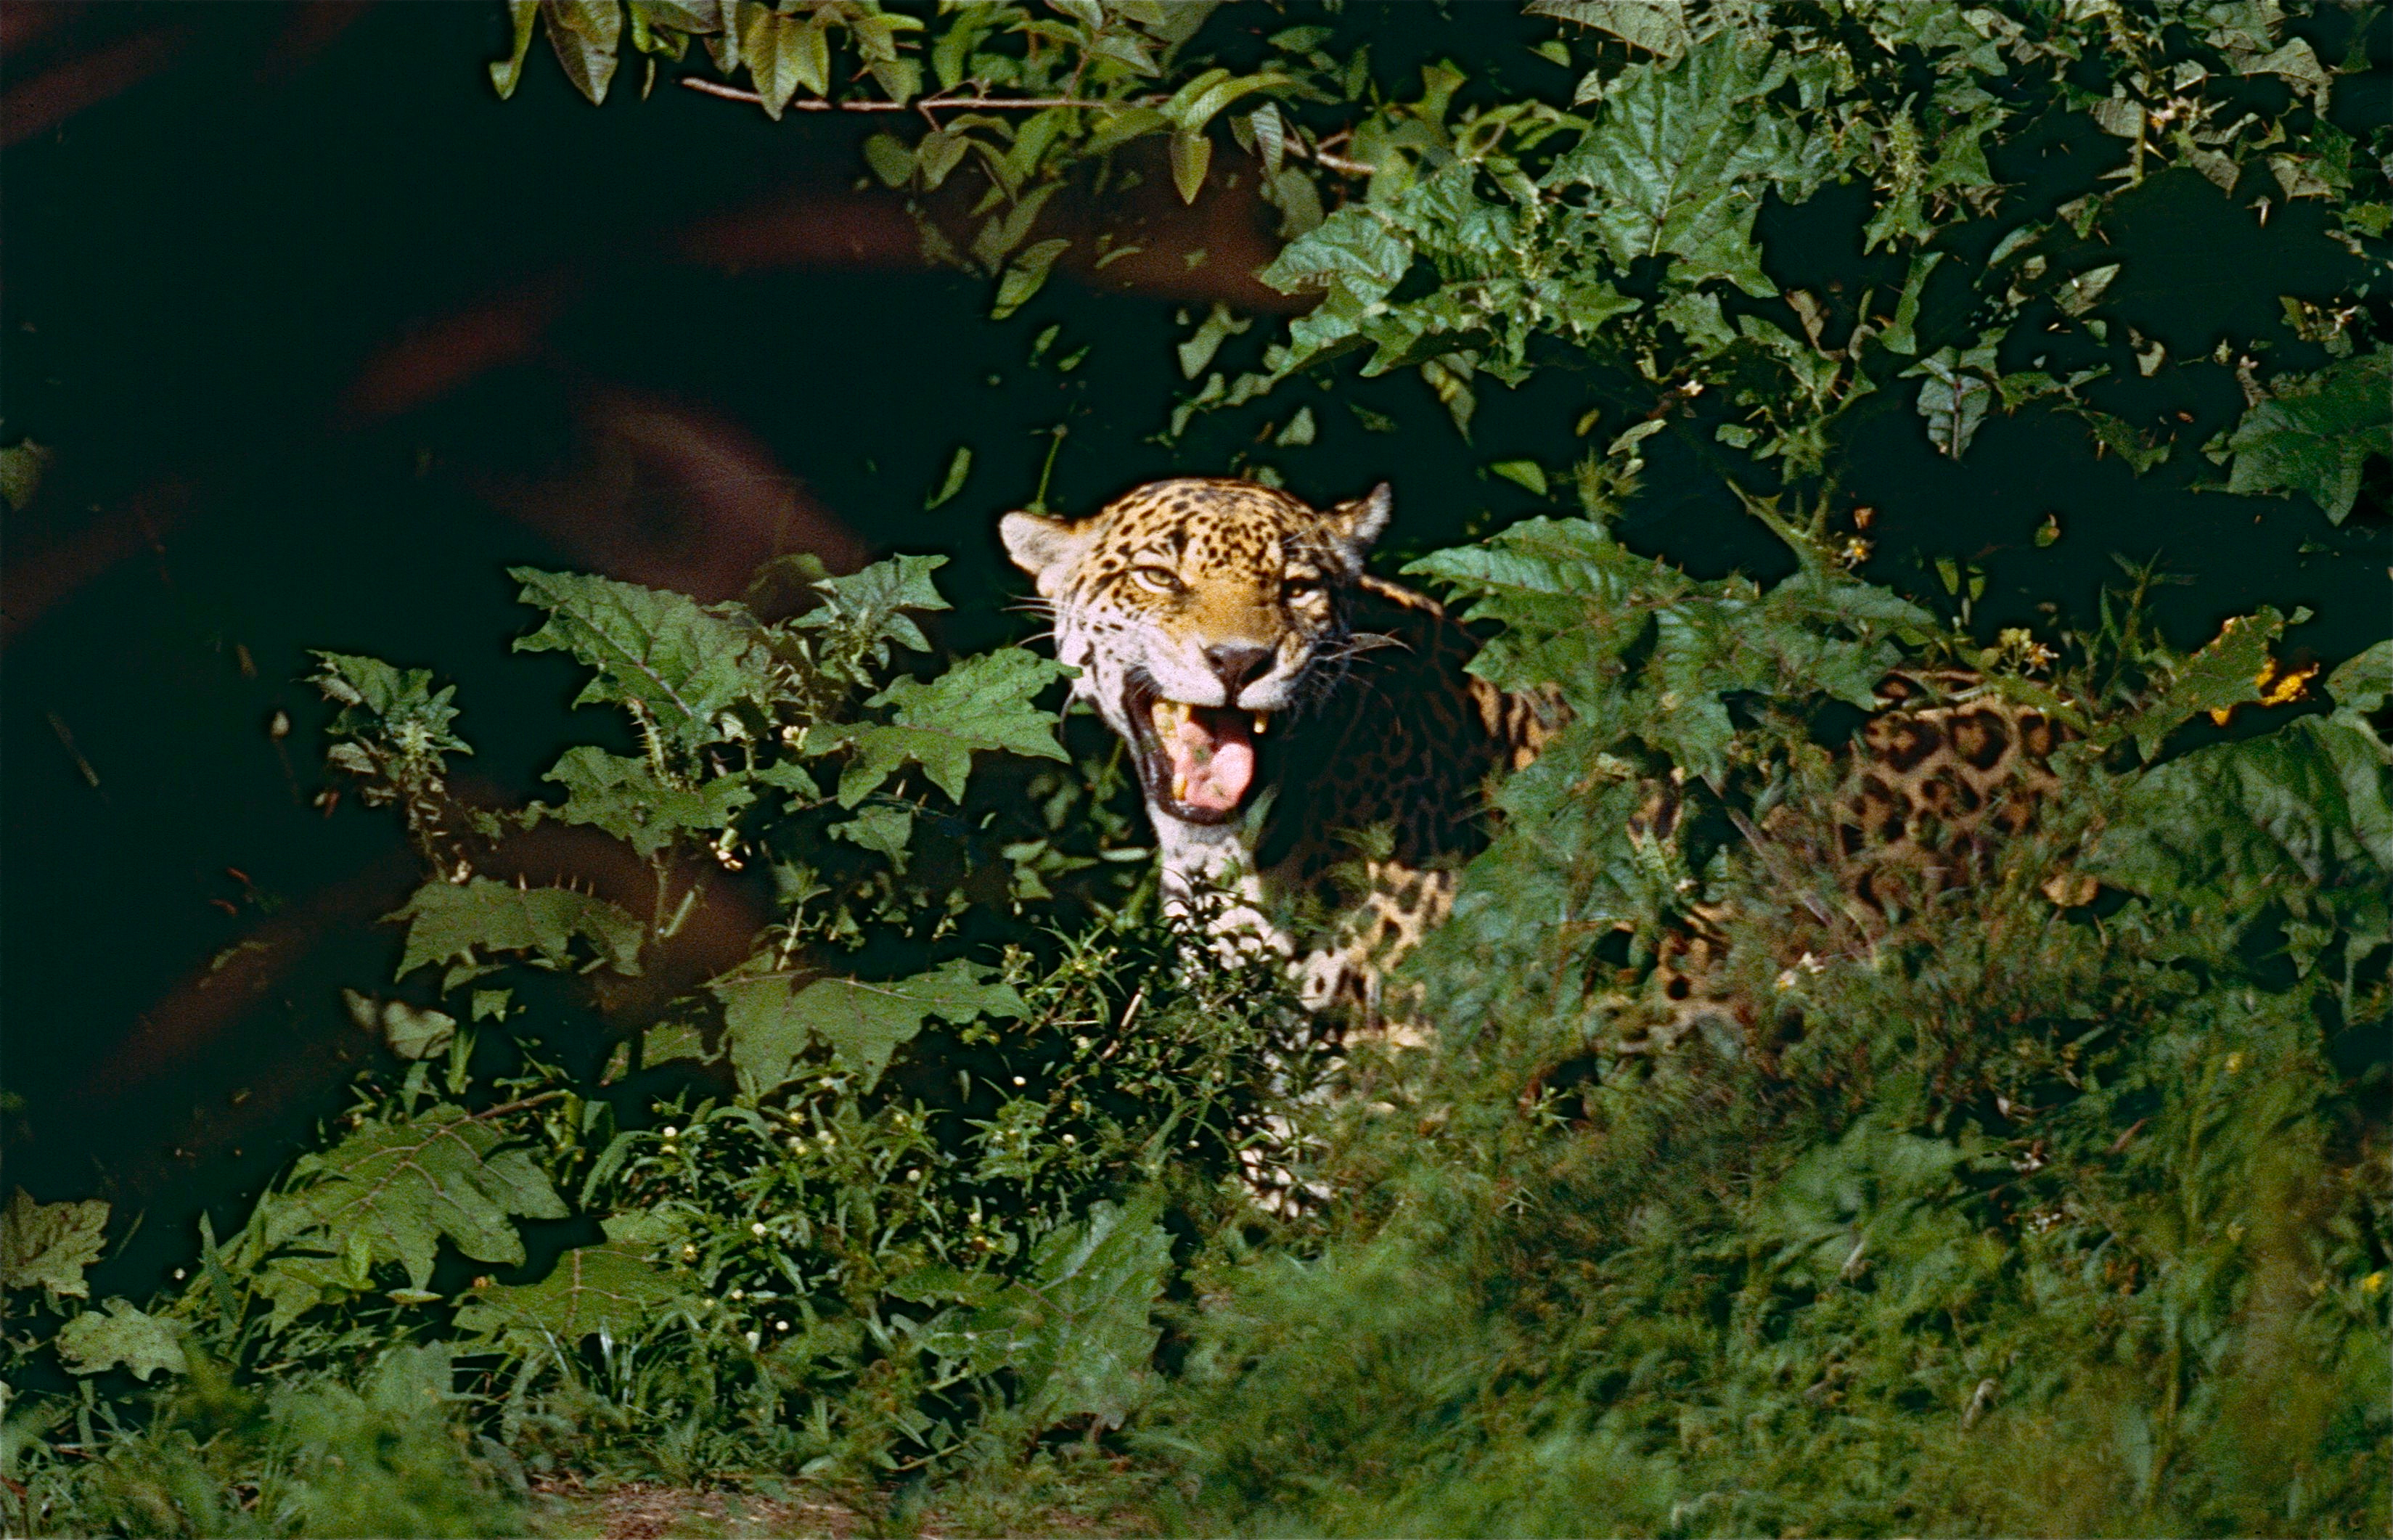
(2234, 1063)
(2374, 1283)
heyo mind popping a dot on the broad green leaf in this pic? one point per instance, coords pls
(1524, 472)
(612, 1288)
(1657, 26)
(782, 52)
(2233, 826)
(866, 610)
(46, 1246)
(658, 653)
(451, 923)
(1952, 400)
(624, 797)
(883, 828)
(767, 1025)
(982, 704)
(1080, 1333)
(2313, 436)
(389, 1191)
(2225, 673)
(2361, 684)
(585, 33)
(1678, 161)
(144, 1344)
(398, 704)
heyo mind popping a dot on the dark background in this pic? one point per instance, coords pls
(325, 336)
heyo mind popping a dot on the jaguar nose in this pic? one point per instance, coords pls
(1236, 662)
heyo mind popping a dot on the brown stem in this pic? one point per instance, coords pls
(505, 1107)
(926, 104)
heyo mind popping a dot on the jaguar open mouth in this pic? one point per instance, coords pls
(1198, 763)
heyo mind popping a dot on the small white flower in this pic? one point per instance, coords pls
(739, 1294)
(754, 1339)
(672, 1132)
(1069, 1140)
(1018, 1080)
(757, 1229)
(1785, 980)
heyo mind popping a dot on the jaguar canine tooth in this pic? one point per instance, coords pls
(1263, 723)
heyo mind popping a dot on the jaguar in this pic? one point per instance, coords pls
(1309, 741)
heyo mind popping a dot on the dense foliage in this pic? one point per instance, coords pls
(2055, 1204)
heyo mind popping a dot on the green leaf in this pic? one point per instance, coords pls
(1079, 1334)
(767, 1026)
(585, 34)
(2232, 828)
(2360, 684)
(1657, 26)
(982, 704)
(144, 1344)
(959, 467)
(1192, 153)
(2084, 292)
(454, 922)
(679, 665)
(2225, 673)
(1952, 400)
(866, 610)
(612, 1288)
(2313, 436)
(783, 53)
(1524, 472)
(1678, 162)
(389, 1191)
(1026, 275)
(885, 827)
(624, 797)
(1197, 349)
(400, 706)
(46, 1246)
(506, 73)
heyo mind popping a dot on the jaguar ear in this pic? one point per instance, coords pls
(1046, 548)
(1357, 524)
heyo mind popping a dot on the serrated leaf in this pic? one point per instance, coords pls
(982, 704)
(453, 923)
(46, 1246)
(1657, 26)
(2228, 827)
(2225, 673)
(143, 1343)
(2313, 436)
(1677, 165)
(866, 610)
(624, 797)
(400, 705)
(1952, 400)
(882, 827)
(767, 1026)
(683, 665)
(1079, 1334)
(390, 1192)
(613, 1288)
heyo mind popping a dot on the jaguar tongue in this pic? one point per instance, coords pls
(1212, 753)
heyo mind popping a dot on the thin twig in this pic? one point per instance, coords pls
(927, 105)
(818, 104)
(505, 1107)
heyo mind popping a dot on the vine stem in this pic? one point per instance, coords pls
(505, 1107)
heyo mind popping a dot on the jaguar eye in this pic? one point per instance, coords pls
(1302, 588)
(1155, 580)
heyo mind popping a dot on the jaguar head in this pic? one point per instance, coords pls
(1200, 612)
